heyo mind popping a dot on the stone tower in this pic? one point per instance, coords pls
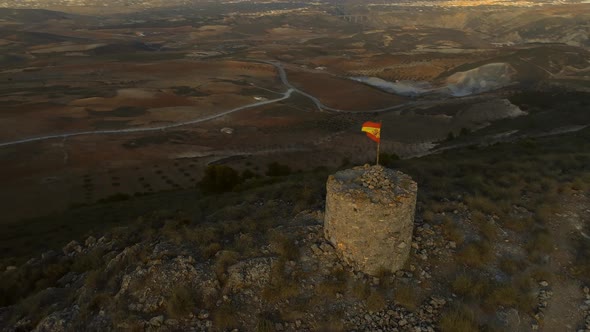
(370, 217)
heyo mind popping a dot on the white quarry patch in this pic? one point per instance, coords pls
(481, 79)
(135, 93)
(404, 88)
(490, 110)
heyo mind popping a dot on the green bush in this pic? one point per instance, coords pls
(388, 159)
(118, 197)
(276, 169)
(219, 178)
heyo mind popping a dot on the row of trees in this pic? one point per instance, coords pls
(221, 178)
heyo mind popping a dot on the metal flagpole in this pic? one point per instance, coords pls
(379, 141)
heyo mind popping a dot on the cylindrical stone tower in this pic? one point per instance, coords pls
(370, 217)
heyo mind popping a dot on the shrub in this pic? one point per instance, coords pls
(504, 295)
(247, 174)
(451, 231)
(224, 317)
(407, 296)
(388, 159)
(458, 319)
(428, 216)
(470, 286)
(211, 249)
(280, 287)
(485, 205)
(264, 325)
(99, 300)
(376, 301)
(276, 169)
(509, 265)
(87, 262)
(464, 131)
(450, 136)
(475, 254)
(118, 197)
(219, 178)
(517, 224)
(331, 323)
(335, 283)
(541, 244)
(182, 301)
(283, 290)
(359, 289)
(223, 260)
(284, 246)
(488, 230)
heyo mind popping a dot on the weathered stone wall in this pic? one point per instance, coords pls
(370, 217)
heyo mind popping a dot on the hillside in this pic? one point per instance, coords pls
(500, 243)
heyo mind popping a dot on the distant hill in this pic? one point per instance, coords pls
(33, 15)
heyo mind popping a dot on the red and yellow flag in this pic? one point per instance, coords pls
(373, 130)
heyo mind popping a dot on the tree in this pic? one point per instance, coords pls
(276, 169)
(219, 178)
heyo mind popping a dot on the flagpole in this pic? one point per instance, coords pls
(379, 141)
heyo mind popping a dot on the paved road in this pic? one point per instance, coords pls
(286, 95)
(283, 76)
(316, 101)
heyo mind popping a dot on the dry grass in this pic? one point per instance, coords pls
(265, 325)
(487, 206)
(376, 301)
(470, 286)
(459, 318)
(428, 216)
(331, 323)
(225, 317)
(407, 296)
(475, 254)
(517, 224)
(359, 289)
(284, 246)
(540, 245)
(223, 260)
(281, 286)
(510, 266)
(452, 231)
(516, 295)
(182, 301)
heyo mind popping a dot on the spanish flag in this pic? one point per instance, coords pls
(373, 130)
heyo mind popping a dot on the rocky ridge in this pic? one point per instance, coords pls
(145, 286)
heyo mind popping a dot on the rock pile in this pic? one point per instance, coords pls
(395, 318)
(370, 217)
(545, 294)
(586, 310)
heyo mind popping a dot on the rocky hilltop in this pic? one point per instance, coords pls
(255, 262)
(167, 276)
(294, 283)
